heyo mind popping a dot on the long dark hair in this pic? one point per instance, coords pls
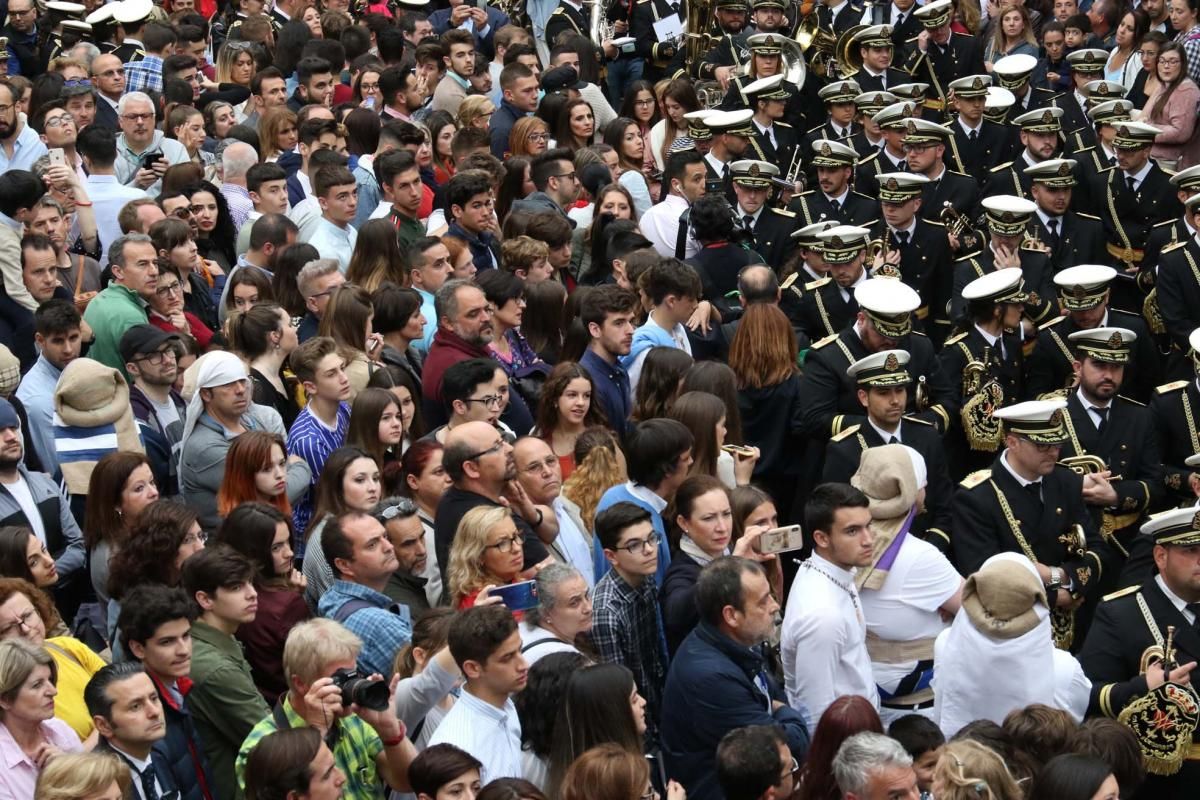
(287, 270)
(329, 499)
(14, 544)
(595, 710)
(662, 370)
(561, 377)
(223, 239)
(1169, 88)
(716, 377)
(629, 103)
(538, 704)
(368, 407)
(614, 137)
(280, 765)
(148, 555)
(250, 529)
(102, 520)
(545, 322)
(389, 376)
(511, 186)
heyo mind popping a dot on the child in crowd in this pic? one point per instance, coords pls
(924, 741)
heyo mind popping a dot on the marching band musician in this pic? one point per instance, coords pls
(869, 141)
(1135, 196)
(1014, 73)
(899, 16)
(1009, 246)
(730, 50)
(832, 305)
(1177, 282)
(768, 16)
(833, 198)
(805, 271)
(919, 248)
(978, 144)
(766, 61)
(771, 228)
(986, 354)
(893, 122)
(877, 51)
(1097, 159)
(1134, 677)
(732, 132)
(662, 57)
(925, 148)
(774, 141)
(1102, 424)
(883, 384)
(1039, 134)
(838, 16)
(1025, 502)
(1174, 408)
(1086, 66)
(1084, 293)
(883, 322)
(1072, 238)
(939, 55)
(839, 123)
(1179, 229)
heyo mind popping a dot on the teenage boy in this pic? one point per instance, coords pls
(626, 620)
(156, 629)
(224, 700)
(267, 186)
(608, 312)
(675, 290)
(321, 426)
(459, 59)
(473, 391)
(337, 193)
(59, 341)
(429, 267)
(400, 180)
(473, 217)
(129, 719)
(152, 362)
(486, 645)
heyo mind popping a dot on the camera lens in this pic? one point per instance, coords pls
(367, 694)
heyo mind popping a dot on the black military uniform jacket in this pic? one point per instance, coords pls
(813, 206)
(1049, 366)
(842, 457)
(1008, 178)
(130, 50)
(1130, 451)
(1162, 236)
(847, 17)
(823, 311)
(982, 528)
(1178, 283)
(566, 19)
(1075, 123)
(823, 131)
(1175, 408)
(1080, 240)
(718, 267)
(926, 264)
(960, 191)
(1037, 272)
(883, 81)
(831, 396)
(772, 236)
(730, 50)
(781, 153)
(662, 58)
(864, 146)
(1007, 367)
(877, 164)
(1126, 624)
(908, 29)
(975, 157)
(1128, 215)
(791, 296)
(938, 66)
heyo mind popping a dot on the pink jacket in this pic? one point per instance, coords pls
(1179, 139)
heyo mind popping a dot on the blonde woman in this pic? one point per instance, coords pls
(83, 776)
(235, 63)
(487, 552)
(968, 770)
(277, 132)
(599, 465)
(1012, 33)
(476, 112)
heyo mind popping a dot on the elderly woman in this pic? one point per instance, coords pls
(910, 589)
(564, 612)
(1001, 640)
(30, 736)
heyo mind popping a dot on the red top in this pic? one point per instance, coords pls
(279, 610)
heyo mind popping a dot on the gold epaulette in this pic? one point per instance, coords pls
(812, 286)
(869, 158)
(817, 345)
(817, 128)
(918, 421)
(955, 339)
(789, 280)
(853, 429)
(910, 41)
(1003, 166)
(918, 333)
(975, 478)
(1174, 246)
(967, 256)
(1131, 400)
(1051, 323)
(865, 197)
(783, 212)
(937, 222)
(1085, 149)
(1167, 388)
(1120, 593)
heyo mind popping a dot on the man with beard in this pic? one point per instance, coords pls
(405, 531)
(730, 52)
(1040, 135)
(1120, 433)
(732, 131)
(483, 472)
(926, 145)
(831, 307)
(59, 342)
(151, 360)
(834, 199)
(464, 330)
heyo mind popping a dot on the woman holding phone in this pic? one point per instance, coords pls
(486, 553)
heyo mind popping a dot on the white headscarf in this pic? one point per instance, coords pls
(920, 470)
(977, 676)
(213, 369)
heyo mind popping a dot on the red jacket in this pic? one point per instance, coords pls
(446, 349)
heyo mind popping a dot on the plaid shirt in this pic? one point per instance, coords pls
(144, 75)
(627, 629)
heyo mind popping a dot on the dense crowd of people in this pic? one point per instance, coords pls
(466, 401)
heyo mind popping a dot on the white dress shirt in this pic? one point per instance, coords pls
(660, 224)
(824, 641)
(109, 196)
(492, 735)
(336, 242)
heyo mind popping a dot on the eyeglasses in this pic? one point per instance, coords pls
(496, 448)
(196, 538)
(649, 101)
(539, 137)
(159, 356)
(404, 508)
(491, 400)
(1169, 62)
(650, 542)
(169, 289)
(59, 121)
(4, 109)
(23, 621)
(137, 117)
(76, 82)
(183, 212)
(506, 545)
(574, 176)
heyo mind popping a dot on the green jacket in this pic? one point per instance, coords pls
(224, 702)
(111, 313)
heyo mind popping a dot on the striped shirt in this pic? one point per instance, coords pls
(490, 734)
(313, 441)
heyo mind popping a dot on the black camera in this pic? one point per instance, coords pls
(361, 691)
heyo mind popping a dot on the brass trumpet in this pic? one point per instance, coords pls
(957, 223)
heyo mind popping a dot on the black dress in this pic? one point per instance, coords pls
(265, 394)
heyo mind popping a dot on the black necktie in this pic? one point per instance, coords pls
(748, 221)
(1103, 414)
(850, 301)
(902, 239)
(724, 170)
(1052, 226)
(1035, 489)
(148, 784)
(893, 440)
(1112, 161)
(1132, 183)
(899, 20)
(973, 136)
(1195, 609)
(837, 207)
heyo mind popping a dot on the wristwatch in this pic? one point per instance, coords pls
(1055, 580)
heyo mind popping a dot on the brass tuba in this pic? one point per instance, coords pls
(847, 52)
(818, 45)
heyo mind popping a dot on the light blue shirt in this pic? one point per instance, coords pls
(492, 735)
(427, 311)
(128, 162)
(109, 196)
(36, 393)
(27, 149)
(335, 242)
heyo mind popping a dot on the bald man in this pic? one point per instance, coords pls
(540, 474)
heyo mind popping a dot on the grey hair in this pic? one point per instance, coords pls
(445, 302)
(313, 271)
(133, 97)
(548, 580)
(48, 201)
(116, 251)
(863, 754)
(90, 49)
(237, 159)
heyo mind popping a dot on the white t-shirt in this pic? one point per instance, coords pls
(20, 492)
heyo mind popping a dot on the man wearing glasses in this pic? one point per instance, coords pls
(25, 56)
(553, 175)
(143, 151)
(151, 361)
(108, 76)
